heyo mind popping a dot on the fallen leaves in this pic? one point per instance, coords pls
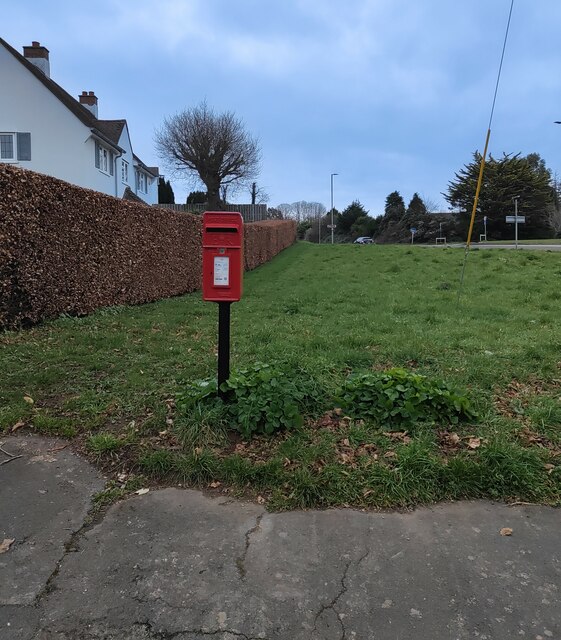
(400, 436)
(506, 531)
(452, 442)
(28, 399)
(19, 424)
(473, 442)
(6, 544)
(142, 492)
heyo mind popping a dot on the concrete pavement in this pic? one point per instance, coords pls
(175, 563)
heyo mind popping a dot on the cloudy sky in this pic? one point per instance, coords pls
(390, 94)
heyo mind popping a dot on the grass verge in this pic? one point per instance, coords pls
(109, 381)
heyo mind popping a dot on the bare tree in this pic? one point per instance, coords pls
(302, 210)
(213, 148)
(258, 194)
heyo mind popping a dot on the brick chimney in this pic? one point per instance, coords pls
(89, 100)
(39, 56)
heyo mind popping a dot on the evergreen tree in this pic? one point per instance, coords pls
(503, 179)
(349, 216)
(394, 209)
(165, 192)
(197, 197)
(416, 208)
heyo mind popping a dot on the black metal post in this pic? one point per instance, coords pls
(223, 345)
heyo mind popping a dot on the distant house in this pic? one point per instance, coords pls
(45, 129)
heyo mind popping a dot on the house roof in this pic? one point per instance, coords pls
(107, 130)
(129, 194)
(154, 171)
(112, 128)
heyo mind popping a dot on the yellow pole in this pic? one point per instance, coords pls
(479, 181)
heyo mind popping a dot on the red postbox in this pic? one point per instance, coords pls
(222, 256)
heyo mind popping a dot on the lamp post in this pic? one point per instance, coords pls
(332, 227)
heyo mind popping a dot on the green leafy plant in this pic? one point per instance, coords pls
(395, 396)
(262, 398)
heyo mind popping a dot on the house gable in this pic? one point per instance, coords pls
(80, 149)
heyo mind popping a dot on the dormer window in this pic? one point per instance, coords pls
(124, 171)
(141, 182)
(104, 159)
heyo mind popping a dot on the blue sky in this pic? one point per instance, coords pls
(390, 94)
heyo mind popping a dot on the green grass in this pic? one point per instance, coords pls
(110, 379)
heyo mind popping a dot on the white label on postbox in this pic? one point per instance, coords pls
(221, 271)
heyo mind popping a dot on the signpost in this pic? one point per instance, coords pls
(485, 228)
(413, 232)
(441, 239)
(516, 219)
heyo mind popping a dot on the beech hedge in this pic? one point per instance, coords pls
(65, 249)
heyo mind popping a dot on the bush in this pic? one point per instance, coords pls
(396, 396)
(261, 399)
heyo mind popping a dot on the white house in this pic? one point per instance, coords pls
(45, 129)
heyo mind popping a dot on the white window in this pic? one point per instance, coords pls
(141, 182)
(104, 159)
(15, 146)
(7, 146)
(124, 171)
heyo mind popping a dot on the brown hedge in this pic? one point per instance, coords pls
(64, 249)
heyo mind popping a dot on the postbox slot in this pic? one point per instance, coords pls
(221, 230)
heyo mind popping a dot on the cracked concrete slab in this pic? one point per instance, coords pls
(175, 564)
(44, 498)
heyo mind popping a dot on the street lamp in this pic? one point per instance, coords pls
(332, 227)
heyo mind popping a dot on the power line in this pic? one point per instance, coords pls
(484, 156)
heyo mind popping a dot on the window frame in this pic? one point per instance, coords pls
(124, 171)
(104, 159)
(141, 182)
(14, 157)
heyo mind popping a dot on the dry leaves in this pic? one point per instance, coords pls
(28, 399)
(6, 544)
(400, 436)
(473, 442)
(18, 425)
(506, 531)
(142, 492)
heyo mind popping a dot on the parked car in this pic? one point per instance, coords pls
(363, 240)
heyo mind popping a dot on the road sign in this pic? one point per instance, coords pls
(413, 230)
(484, 218)
(512, 219)
(331, 226)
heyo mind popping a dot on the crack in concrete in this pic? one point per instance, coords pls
(331, 605)
(240, 560)
(363, 557)
(92, 518)
(170, 635)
